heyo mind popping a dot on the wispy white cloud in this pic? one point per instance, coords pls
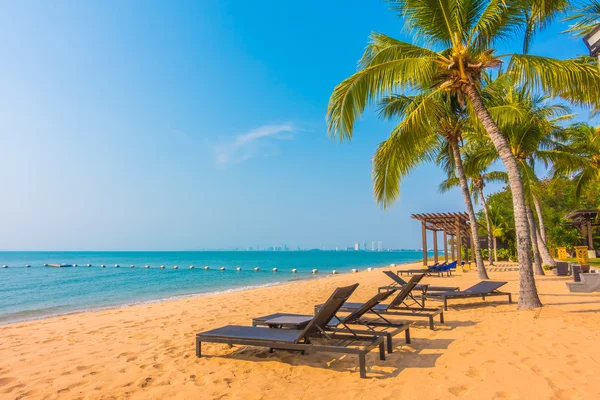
(250, 144)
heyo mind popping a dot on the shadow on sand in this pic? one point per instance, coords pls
(403, 356)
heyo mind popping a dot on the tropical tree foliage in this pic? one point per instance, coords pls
(558, 198)
(440, 132)
(453, 49)
(583, 145)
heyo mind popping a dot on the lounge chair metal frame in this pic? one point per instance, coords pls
(301, 340)
(379, 327)
(476, 290)
(399, 283)
(400, 305)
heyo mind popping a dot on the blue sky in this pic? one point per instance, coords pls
(191, 125)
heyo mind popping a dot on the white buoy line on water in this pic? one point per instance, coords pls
(256, 269)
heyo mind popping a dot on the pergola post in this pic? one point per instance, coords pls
(445, 247)
(435, 247)
(458, 243)
(424, 233)
(589, 234)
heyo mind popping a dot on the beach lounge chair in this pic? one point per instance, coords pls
(447, 268)
(313, 337)
(403, 305)
(428, 270)
(399, 283)
(379, 326)
(482, 289)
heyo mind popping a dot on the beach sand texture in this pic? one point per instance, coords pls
(484, 351)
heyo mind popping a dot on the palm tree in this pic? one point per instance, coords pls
(500, 227)
(457, 46)
(441, 131)
(477, 159)
(534, 132)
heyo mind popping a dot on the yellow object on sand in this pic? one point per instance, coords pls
(562, 253)
(582, 254)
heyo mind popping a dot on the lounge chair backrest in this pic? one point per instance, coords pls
(328, 311)
(485, 287)
(406, 289)
(576, 273)
(395, 278)
(366, 306)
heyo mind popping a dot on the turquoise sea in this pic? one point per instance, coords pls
(38, 291)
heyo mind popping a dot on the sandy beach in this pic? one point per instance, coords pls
(483, 351)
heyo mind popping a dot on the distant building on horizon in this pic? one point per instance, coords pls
(356, 246)
(365, 245)
(373, 245)
(379, 246)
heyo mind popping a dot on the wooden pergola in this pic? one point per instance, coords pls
(453, 224)
(584, 220)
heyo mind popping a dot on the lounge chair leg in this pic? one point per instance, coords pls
(441, 318)
(198, 348)
(407, 335)
(388, 339)
(362, 365)
(431, 323)
(445, 304)
(509, 298)
(381, 351)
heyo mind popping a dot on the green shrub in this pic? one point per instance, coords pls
(548, 267)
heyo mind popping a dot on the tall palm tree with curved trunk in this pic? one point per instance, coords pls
(440, 132)
(477, 159)
(456, 40)
(534, 133)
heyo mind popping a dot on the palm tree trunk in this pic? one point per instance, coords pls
(489, 225)
(541, 235)
(460, 172)
(495, 250)
(539, 270)
(546, 256)
(538, 211)
(528, 296)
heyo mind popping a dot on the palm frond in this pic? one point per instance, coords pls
(397, 157)
(496, 176)
(383, 48)
(394, 106)
(431, 18)
(576, 80)
(350, 97)
(539, 14)
(448, 184)
(587, 16)
(498, 20)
